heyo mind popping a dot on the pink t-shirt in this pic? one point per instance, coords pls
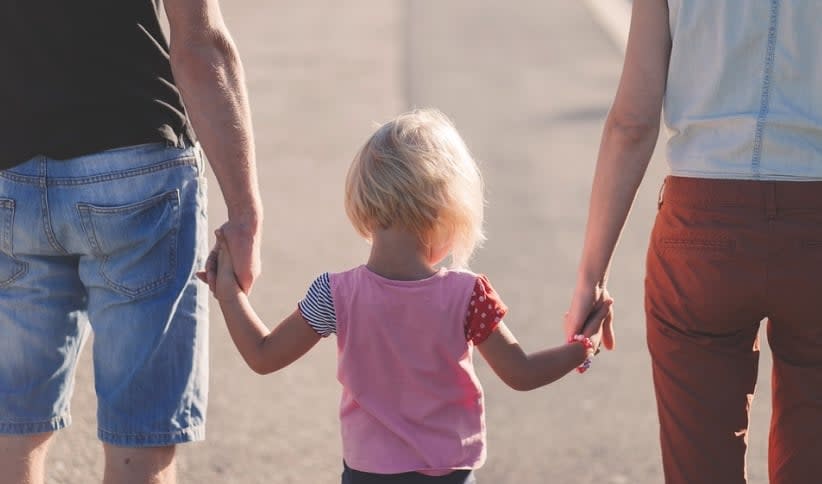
(411, 400)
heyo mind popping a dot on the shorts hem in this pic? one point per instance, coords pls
(26, 428)
(154, 439)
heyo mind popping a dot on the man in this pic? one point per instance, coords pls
(102, 220)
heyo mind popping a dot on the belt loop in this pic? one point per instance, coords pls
(201, 159)
(770, 200)
(661, 192)
(42, 172)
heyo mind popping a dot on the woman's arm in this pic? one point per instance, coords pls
(628, 140)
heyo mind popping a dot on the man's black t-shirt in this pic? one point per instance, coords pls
(82, 76)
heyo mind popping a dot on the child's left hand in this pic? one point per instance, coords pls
(225, 283)
(598, 320)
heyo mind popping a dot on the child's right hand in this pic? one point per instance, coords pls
(226, 285)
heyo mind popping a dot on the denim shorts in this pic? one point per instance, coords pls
(108, 243)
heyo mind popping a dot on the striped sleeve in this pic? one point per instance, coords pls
(318, 307)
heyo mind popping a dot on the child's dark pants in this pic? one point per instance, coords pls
(351, 476)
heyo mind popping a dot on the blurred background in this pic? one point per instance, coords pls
(528, 84)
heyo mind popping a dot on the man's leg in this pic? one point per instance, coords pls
(23, 457)
(42, 328)
(143, 212)
(143, 465)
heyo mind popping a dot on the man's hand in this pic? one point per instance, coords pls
(243, 238)
(242, 241)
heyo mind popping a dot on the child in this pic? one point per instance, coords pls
(412, 407)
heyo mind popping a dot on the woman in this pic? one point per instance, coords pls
(738, 235)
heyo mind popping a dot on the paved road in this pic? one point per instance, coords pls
(528, 83)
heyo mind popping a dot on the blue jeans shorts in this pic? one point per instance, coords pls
(108, 243)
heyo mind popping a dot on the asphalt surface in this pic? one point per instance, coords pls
(528, 84)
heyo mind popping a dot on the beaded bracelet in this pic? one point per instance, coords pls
(590, 351)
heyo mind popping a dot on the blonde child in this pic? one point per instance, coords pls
(412, 406)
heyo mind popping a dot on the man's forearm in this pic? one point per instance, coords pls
(209, 74)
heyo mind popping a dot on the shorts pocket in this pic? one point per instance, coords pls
(136, 244)
(10, 268)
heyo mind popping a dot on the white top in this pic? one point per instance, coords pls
(744, 92)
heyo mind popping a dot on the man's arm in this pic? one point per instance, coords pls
(208, 71)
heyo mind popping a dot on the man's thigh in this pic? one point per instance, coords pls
(146, 231)
(129, 225)
(42, 323)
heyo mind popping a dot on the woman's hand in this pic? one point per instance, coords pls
(591, 314)
(600, 323)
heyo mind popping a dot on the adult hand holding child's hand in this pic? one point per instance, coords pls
(225, 281)
(598, 326)
(246, 242)
(588, 304)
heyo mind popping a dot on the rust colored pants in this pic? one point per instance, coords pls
(723, 255)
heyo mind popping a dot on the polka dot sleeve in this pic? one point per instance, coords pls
(485, 311)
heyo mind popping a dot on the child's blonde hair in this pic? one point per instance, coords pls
(415, 172)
